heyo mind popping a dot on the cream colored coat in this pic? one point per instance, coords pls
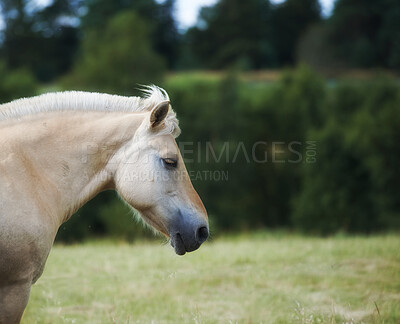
(57, 151)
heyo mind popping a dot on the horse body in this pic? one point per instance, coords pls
(53, 160)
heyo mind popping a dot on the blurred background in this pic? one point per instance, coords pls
(290, 110)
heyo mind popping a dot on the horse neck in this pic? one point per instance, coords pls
(64, 157)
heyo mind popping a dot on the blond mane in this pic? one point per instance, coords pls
(90, 101)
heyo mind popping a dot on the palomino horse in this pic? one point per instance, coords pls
(59, 150)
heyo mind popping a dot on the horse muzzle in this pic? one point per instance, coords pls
(187, 233)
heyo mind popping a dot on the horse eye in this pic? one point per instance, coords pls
(170, 163)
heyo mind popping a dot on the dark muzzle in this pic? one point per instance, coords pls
(188, 233)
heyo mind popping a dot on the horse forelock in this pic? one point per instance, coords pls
(91, 101)
(155, 95)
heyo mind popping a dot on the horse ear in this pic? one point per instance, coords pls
(159, 113)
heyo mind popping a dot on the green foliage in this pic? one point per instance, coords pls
(120, 61)
(41, 39)
(299, 97)
(359, 34)
(253, 34)
(164, 36)
(336, 191)
(16, 84)
(353, 186)
(375, 137)
(289, 21)
(242, 26)
(315, 49)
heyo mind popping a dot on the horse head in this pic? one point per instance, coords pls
(152, 177)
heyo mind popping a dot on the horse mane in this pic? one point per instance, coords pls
(90, 101)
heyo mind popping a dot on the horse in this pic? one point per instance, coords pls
(59, 150)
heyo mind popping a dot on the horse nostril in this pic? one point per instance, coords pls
(202, 234)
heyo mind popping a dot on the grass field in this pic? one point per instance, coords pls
(263, 278)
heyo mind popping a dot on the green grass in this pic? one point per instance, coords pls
(263, 278)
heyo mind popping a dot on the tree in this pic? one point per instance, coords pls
(375, 137)
(253, 33)
(336, 192)
(233, 32)
(16, 84)
(44, 40)
(164, 34)
(353, 187)
(365, 33)
(289, 21)
(116, 59)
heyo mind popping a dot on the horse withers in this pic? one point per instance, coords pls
(59, 150)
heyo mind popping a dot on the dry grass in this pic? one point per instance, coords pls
(272, 75)
(263, 278)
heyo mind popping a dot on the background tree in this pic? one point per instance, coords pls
(233, 32)
(44, 40)
(366, 33)
(359, 34)
(289, 21)
(16, 83)
(163, 35)
(121, 60)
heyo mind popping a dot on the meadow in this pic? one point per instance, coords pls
(258, 278)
